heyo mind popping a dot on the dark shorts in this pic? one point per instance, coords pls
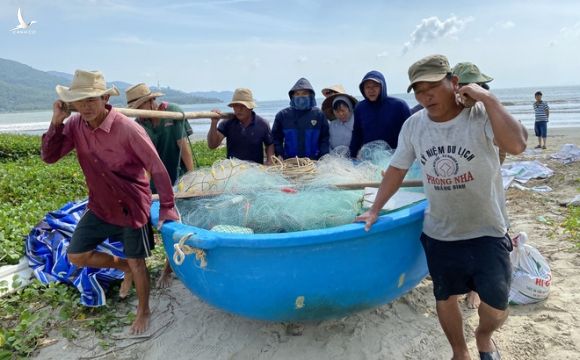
(480, 264)
(92, 231)
(541, 129)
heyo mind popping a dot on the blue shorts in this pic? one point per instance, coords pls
(541, 129)
(92, 231)
(480, 264)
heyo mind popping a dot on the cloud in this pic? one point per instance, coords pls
(432, 28)
(507, 25)
(572, 31)
(302, 59)
(383, 54)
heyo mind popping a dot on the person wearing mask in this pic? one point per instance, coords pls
(301, 129)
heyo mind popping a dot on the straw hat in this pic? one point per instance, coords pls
(327, 104)
(336, 88)
(244, 97)
(138, 94)
(85, 84)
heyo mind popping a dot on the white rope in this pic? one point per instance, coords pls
(181, 250)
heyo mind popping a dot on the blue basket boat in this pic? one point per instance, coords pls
(297, 276)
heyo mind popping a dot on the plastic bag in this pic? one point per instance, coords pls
(531, 278)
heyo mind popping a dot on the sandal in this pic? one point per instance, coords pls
(492, 355)
(538, 147)
(544, 147)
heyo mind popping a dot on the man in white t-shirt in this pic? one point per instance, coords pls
(464, 231)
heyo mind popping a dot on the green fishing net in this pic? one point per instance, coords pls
(248, 195)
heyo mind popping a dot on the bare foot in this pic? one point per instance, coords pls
(472, 300)
(126, 285)
(166, 278)
(141, 323)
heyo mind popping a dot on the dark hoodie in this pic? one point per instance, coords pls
(302, 133)
(377, 120)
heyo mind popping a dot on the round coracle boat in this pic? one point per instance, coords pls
(304, 275)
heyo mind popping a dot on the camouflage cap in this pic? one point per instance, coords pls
(469, 73)
(432, 68)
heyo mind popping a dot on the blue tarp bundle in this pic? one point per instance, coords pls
(46, 247)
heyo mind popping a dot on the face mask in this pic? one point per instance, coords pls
(301, 102)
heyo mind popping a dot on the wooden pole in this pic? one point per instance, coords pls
(357, 186)
(166, 114)
(172, 114)
(349, 186)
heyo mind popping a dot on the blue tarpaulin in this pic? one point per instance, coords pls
(46, 247)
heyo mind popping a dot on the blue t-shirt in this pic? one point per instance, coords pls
(246, 143)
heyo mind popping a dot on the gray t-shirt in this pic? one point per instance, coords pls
(461, 173)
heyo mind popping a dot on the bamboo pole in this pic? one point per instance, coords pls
(172, 114)
(175, 115)
(348, 186)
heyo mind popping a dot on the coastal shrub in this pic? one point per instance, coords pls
(572, 225)
(29, 189)
(204, 156)
(13, 147)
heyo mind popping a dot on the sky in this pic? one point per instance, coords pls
(267, 45)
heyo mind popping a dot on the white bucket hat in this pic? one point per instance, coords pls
(85, 84)
(138, 94)
(243, 96)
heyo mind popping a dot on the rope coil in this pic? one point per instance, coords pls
(181, 250)
(293, 168)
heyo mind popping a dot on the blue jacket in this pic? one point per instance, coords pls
(302, 133)
(377, 120)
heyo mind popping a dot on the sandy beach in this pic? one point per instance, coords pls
(183, 327)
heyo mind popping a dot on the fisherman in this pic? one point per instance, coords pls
(465, 231)
(115, 153)
(169, 136)
(248, 134)
(378, 116)
(301, 129)
(339, 110)
(333, 89)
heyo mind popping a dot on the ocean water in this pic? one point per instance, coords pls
(564, 104)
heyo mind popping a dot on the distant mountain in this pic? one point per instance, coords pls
(225, 96)
(63, 75)
(25, 88)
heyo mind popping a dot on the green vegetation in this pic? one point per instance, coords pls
(572, 225)
(29, 189)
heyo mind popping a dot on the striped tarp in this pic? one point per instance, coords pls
(46, 248)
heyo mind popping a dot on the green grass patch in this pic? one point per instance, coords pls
(572, 225)
(13, 147)
(204, 156)
(29, 189)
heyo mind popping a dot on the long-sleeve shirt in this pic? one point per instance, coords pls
(114, 158)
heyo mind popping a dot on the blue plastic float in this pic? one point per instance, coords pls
(306, 275)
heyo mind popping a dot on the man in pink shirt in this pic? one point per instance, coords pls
(115, 154)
